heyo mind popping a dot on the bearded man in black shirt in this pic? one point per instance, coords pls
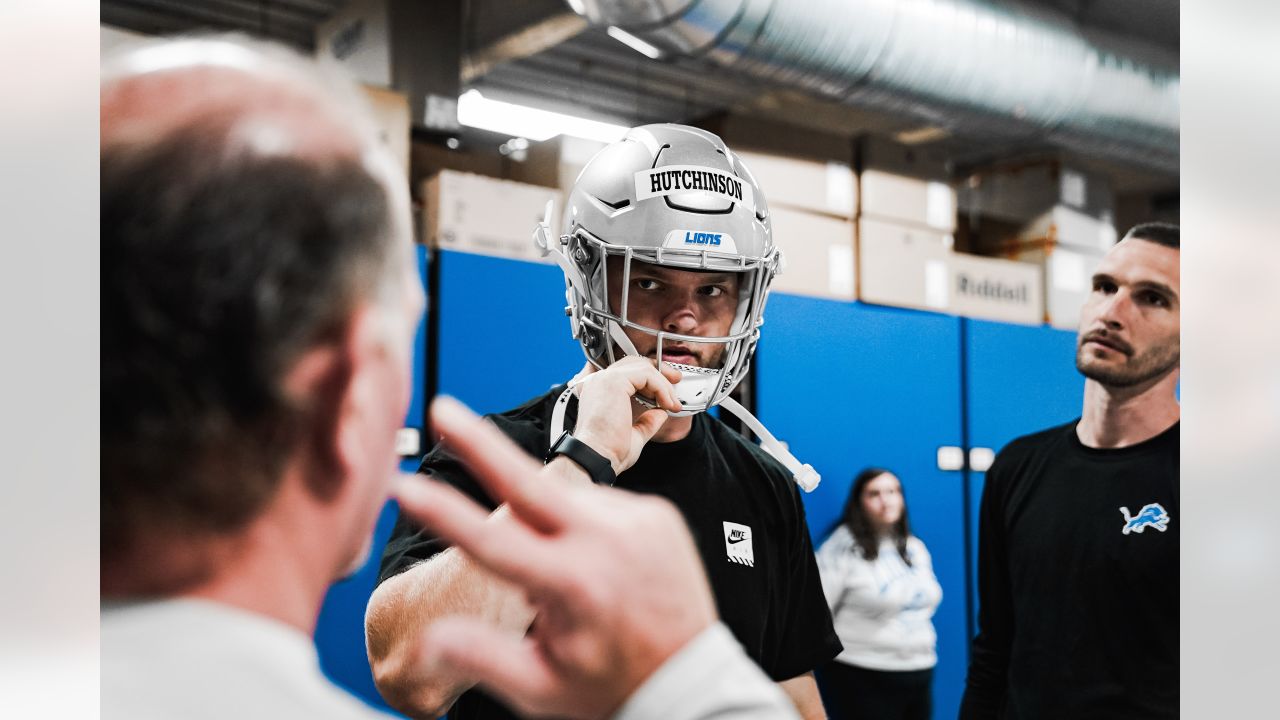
(668, 255)
(1078, 533)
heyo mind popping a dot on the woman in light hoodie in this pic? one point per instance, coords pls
(879, 582)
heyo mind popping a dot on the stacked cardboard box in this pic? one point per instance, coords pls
(818, 254)
(1055, 218)
(485, 215)
(827, 188)
(906, 239)
(811, 204)
(391, 115)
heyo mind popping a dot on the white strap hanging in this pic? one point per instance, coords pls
(803, 473)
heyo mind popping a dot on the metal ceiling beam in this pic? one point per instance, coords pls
(542, 35)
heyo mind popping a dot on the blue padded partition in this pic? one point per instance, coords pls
(848, 385)
(417, 401)
(504, 337)
(1021, 380)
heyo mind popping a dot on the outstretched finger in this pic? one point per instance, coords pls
(505, 470)
(509, 667)
(503, 545)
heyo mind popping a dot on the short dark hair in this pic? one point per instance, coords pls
(1162, 233)
(855, 519)
(218, 271)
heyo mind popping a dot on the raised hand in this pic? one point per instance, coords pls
(609, 418)
(615, 577)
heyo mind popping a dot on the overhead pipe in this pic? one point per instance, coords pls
(971, 67)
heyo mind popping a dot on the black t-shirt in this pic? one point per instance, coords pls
(746, 517)
(1078, 581)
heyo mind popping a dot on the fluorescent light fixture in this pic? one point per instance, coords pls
(478, 111)
(921, 135)
(634, 43)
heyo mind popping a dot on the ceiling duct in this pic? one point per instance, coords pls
(970, 67)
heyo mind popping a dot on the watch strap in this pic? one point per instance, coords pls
(596, 466)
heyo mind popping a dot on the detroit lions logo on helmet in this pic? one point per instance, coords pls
(1151, 515)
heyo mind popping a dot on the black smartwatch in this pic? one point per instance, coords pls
(598, 468)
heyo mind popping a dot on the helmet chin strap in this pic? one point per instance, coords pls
(695, 386)
(694, 379)
(803, 473)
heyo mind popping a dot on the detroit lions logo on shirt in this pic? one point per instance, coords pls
(1151, 515)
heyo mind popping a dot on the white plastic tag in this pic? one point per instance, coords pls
(680, 179)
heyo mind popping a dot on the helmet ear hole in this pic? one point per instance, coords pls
(591, 340)
(582, 253)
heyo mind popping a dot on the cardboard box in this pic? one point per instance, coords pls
(909, 266)
(359, 37)
(818, 252)
(902, 199)
(995, 289)
(1022, 193)
(902, 265)
(1071, 228)
(391, 114)
(811, 185)
(487, 216)
(1067, 276)
(409, 46)
(927, 161)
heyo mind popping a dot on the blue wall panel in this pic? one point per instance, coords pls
(417, 400)
(848, 385)
(504, 337)
(1021, 379)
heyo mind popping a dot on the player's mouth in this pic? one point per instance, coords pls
(680, 354)
(1109, 343)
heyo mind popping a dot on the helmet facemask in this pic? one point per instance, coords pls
(600, 325)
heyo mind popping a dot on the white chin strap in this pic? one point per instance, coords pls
(803, 473)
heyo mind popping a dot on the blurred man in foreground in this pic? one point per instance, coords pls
(258, 310)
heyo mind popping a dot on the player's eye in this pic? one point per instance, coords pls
(1150, 297)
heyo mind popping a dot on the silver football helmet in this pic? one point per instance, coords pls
(674, 196)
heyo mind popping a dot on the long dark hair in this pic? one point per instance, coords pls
(860, 526)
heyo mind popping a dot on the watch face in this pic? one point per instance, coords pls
(557, 447)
